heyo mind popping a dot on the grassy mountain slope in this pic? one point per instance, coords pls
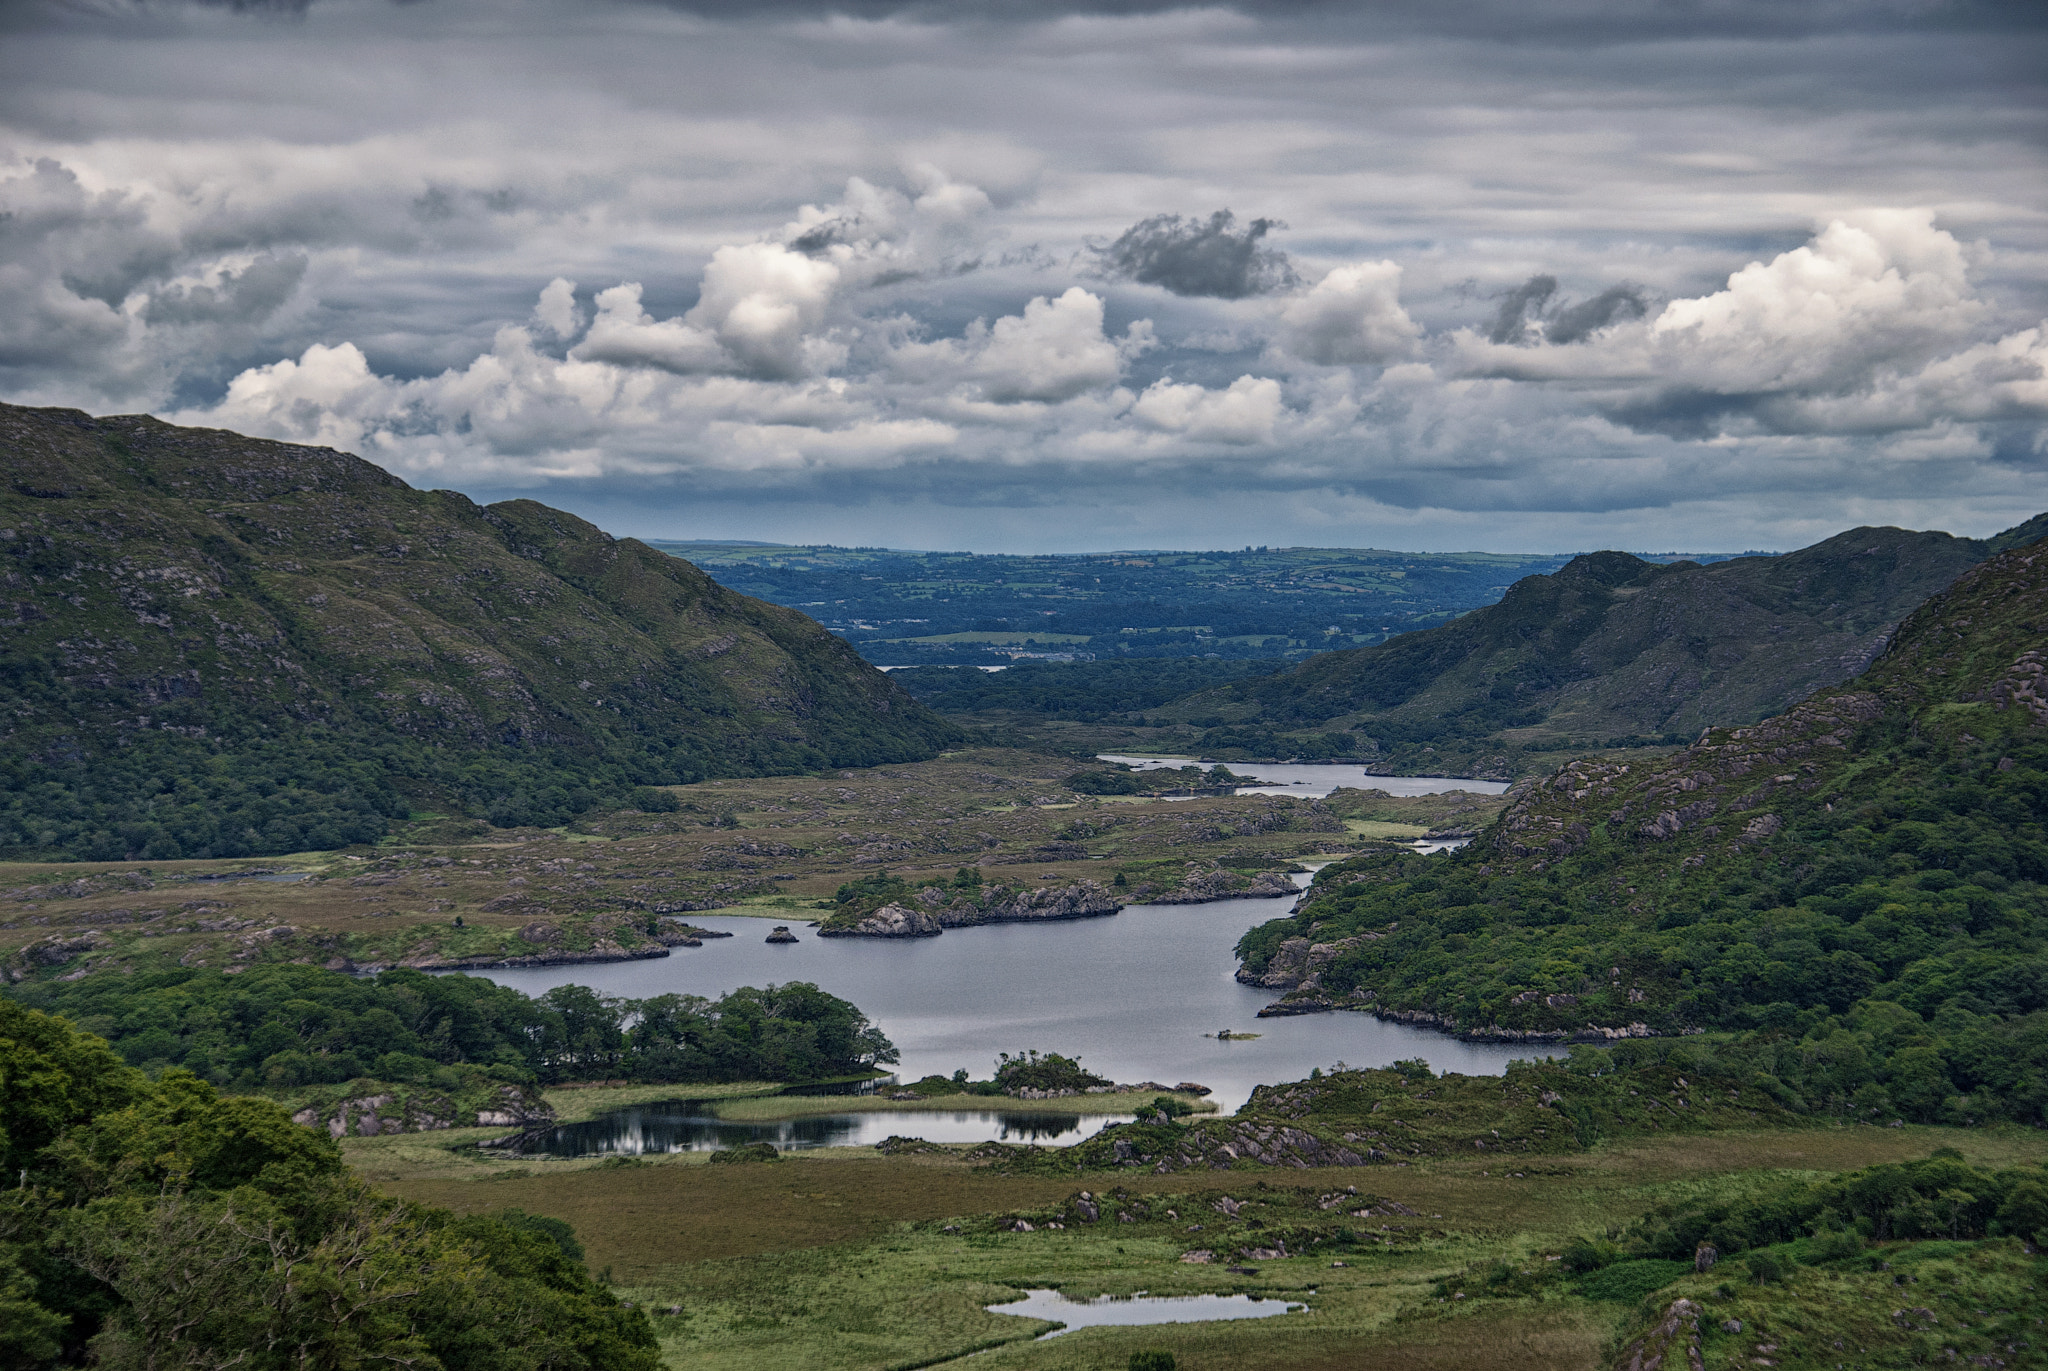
(1609, 648)
(1872, 860)
(217, 645)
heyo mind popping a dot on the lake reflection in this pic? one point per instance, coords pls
(1137, 996)
(686, 1126)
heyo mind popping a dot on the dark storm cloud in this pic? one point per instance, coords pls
(1528, 305)
(1518, 307)
(1575, 322)
(1210, 257)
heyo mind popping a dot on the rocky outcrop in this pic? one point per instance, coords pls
(1206, 886)
(1081, 900)
(383, 1109)
(781, 934)
(1299, 959)
(1219, 1144)
(1673, 1345)
(933, 910)
(890, 921)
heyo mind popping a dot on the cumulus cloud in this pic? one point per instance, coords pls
(1245, 412)
(1882, 289)
(1055, 350)
(1871, 325)
(1195, 257)
(1351, 317)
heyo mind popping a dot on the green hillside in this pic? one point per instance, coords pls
(1862, 875)
(221, 646)
(1609, 650)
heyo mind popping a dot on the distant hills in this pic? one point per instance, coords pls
(1610, 650)
(212, 645)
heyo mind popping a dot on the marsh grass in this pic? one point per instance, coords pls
(575, 1103)
(838, 1258)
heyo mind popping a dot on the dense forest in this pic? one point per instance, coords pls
(282, 1026)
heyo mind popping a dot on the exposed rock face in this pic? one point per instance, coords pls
(890, 921)
(781, 934)
(1672, 1344)
(1203, 887)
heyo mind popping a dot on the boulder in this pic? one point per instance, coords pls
(781, 934)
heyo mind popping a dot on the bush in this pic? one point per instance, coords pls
(1767, 1268)
(1152, 1361)
(1631, 1280)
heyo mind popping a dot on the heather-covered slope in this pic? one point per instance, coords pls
(217, 645)
(1609, 648)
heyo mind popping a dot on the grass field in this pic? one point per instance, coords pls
(842, 1258)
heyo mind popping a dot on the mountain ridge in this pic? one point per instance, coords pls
(189, 600)
(1607, 648)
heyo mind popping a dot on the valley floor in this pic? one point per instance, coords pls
(849, 1259)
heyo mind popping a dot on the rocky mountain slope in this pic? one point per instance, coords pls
(1876, 852)
(216, 645)
(1608, 650)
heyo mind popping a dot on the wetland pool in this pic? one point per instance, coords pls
(1136, 1310)
(1137, 996)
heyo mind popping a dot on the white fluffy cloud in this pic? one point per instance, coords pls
(1869, 326)
(1055, 350)
(1352, 316)
(1247, 411)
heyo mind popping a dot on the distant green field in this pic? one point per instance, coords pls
(903, 608)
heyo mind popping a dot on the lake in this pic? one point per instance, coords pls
(1137, 996)
(1316, 779)
(686, 1126)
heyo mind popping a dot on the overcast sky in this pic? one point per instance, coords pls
(1020, 276)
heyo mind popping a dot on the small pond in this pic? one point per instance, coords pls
(690, 1126)
(1139, 1309)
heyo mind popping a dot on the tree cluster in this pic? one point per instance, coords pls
(160, 1224)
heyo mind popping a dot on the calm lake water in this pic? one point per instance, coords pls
(1316, 780)
(687, 1127)
(1137, 996)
